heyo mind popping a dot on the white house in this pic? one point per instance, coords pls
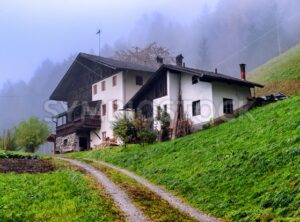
(205, 95)
(98, 89)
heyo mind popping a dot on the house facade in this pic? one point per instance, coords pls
(98, 90)
(204, 95)
(95, 90)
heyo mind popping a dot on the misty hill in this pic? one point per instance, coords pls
(280, 74)
(20, 100)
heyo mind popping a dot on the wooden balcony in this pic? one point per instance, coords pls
(82, 118)
(83, 123)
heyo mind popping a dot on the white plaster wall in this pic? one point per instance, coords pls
(237, 93)
(125, 89)
(107, 97)
(130, 83)
(192, 92)
(201, 91)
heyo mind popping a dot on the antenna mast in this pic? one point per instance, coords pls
(99, 33)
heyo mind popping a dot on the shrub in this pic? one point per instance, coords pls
(31, 134)
(123, 129)
(144, 133)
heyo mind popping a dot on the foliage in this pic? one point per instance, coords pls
(145, 56)
(281, 74)
(10, 155)
(8, 140)
(57, 196)
(242, 170)
(144, 133)
(31, 134)
(123, 129)
(163, 117)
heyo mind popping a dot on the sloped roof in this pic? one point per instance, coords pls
(85, 63)
(206, 75)
(203, 75)
(116, 64)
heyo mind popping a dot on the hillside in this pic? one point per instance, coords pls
(244, 170)
(281, 74)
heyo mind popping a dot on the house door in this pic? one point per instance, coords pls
(83, 143)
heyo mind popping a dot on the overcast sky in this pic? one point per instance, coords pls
(34, 30)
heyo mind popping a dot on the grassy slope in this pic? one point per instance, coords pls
(242, 170)
(58, 196)
(281, 73)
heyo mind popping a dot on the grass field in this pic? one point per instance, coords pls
(62, 195)
(280, 74)
(244, 170)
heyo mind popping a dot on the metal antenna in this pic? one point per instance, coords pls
(99, 33)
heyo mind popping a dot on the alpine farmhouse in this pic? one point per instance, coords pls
(97, 90)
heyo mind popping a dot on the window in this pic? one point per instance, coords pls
(196, 108)
(103, 109)
(139, 80)
(95, 89)
(103, 136)
(103, 85)
(114, 80)
(195, 80)
(165, 108)
(115, 105)
(65, 142)
(227, 106)
(160, 87)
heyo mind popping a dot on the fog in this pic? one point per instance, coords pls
(222, 36)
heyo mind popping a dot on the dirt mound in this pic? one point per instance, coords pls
(25, 166)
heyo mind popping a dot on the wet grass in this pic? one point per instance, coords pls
(247, 169)
(281, 74)
(62, 195)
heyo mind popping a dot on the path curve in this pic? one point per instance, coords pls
(119, 196)
(170, 198)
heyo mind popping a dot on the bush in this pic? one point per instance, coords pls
(144, 132)
(31, 134)
(123, 129)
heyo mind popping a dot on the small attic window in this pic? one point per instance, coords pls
(195, 80)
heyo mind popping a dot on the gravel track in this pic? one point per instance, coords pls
(170, 198)
(119, 196)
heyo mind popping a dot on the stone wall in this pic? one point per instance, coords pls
(67, 143)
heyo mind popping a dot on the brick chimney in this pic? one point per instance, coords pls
(243, 71)
(179, 60)
(159, 60)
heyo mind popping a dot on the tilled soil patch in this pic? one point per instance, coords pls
(25, 166)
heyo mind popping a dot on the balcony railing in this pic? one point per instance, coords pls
(83, 123)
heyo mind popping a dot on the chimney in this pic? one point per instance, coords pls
(179, 60)
(216, 70)
(159, 60)
(243, 71)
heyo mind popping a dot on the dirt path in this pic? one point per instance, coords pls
(170, 198)
(119, 196)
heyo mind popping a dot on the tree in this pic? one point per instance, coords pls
(145, 56)
(7, 141)
(124, 130)
(30, 134)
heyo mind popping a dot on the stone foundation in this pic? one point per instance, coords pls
(67, 143)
